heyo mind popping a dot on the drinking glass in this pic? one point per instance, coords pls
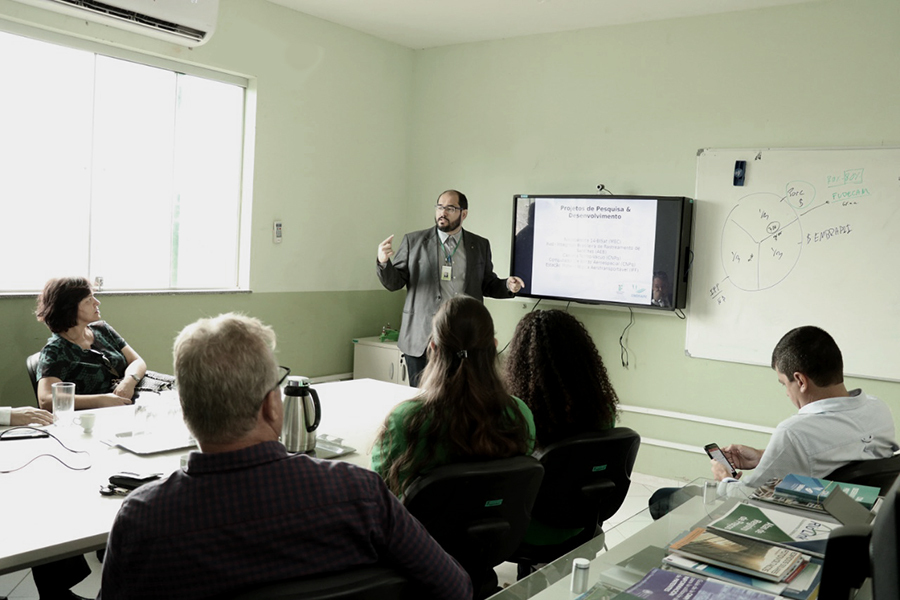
(63, 402)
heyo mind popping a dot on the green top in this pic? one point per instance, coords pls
(396, 432)
(90, 370)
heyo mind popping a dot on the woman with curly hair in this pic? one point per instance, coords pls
(555, 368)
(463, 412)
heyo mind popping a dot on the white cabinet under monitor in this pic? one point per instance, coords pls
(374, 359)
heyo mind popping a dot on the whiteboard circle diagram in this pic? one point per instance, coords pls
(761, 241)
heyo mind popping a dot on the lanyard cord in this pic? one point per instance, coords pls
(448, 258)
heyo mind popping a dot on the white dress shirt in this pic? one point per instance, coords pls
(822, 436)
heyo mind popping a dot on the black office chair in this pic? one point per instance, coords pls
(586, 479)
(477, 511)
(846, 565)
(31, 364)
(363, 583)
(877, 472)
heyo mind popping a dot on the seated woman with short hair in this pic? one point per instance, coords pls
(555, 368)
(463, 412)
(83, 349)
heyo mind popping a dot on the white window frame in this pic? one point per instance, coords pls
(249, 135)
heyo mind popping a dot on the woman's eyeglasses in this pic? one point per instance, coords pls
(106, 362)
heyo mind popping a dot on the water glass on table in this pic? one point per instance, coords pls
(63, 402)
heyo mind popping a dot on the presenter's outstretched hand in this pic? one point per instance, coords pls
(385, 251)
(514, 284)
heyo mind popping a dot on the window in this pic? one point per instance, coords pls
(115, 169)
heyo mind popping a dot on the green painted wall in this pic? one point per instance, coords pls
(315, 329)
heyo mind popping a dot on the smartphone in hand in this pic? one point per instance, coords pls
(717, 455)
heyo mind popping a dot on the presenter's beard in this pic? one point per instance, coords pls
(446, 224)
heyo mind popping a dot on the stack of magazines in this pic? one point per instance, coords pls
(673, 585)
(808, 493)
(772, 546)
(763, 549)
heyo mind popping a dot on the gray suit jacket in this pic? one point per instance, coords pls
(415, 266)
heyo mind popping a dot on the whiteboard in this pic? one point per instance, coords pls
(811, 238)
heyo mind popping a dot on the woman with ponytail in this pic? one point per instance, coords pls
(463, 412)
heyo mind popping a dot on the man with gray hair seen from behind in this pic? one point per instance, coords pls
(244, 512)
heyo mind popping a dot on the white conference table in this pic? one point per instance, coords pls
(50, 512)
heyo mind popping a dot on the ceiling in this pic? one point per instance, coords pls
(421, 24)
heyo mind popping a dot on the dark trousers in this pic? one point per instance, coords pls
(665, 500)
(414, 367)
(53, 580)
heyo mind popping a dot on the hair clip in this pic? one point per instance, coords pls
(463, 354)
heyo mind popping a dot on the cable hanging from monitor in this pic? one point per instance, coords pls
(533, 308)
(623, 350)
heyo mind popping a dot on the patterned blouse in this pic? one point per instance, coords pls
(93, 371)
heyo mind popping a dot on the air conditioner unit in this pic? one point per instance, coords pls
(184, 22)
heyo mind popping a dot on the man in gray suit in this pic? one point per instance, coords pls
(436, 264)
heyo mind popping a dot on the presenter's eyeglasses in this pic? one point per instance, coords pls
(447, 209)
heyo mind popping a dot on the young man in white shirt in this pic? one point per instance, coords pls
(832, 426)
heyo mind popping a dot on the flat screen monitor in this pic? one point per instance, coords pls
(626, 250)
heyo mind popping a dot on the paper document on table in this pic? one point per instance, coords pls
(328, 447)
(152, 443)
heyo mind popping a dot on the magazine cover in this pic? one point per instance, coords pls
(804, 586)
(805, 534)
(681, 586)
(766, 493)
(686, 564)
(812, 489)
(746, 555)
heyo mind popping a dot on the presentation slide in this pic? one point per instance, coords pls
(599, 249)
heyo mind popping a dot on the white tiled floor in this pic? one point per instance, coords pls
(20, 585)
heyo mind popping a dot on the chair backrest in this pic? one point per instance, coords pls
(877, 472)
(363, 583)
(586, 478)
(477, 511)
(31, 364)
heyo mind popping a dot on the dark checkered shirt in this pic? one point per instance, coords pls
(237, 519)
